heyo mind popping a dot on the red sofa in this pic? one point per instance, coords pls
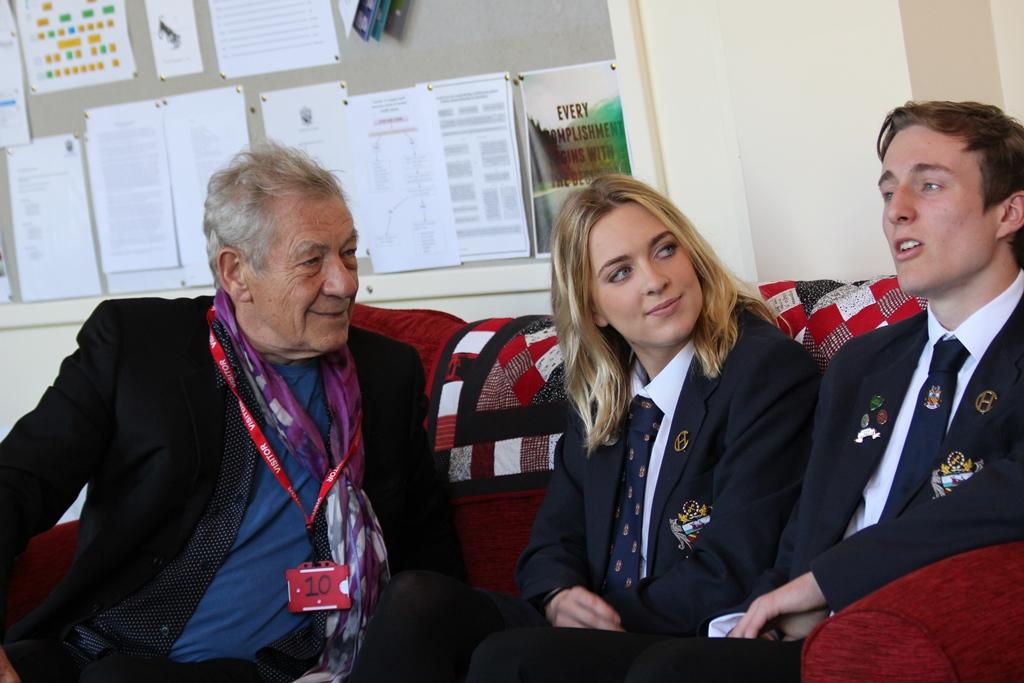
(492, 421)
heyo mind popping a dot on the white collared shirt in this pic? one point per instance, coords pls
(664, 390)
(976, 334)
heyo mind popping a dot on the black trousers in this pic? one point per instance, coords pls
(426, 626)
(718, 660)
(429, 628)
(558, 655)
(46, 661)
(565, 655)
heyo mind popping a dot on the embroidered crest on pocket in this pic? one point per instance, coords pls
(957, 469)
(688, 523)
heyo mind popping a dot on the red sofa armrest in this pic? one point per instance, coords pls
(961, 619)
(37, 570)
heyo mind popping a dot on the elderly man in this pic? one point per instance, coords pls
(226, 442)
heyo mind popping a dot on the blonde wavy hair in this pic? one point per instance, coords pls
(598, 360)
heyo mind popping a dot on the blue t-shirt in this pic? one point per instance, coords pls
(245, 607)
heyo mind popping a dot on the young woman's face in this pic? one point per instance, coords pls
(644, 285)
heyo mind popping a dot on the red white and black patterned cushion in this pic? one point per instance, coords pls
(500, 408)
(500, 399)
(825, 314)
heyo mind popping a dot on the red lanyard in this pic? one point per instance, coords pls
(260, 440)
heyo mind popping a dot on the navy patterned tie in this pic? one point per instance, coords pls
(928, 426)
(624, 560)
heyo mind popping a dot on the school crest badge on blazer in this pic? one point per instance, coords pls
(688, 523)
(957, 469)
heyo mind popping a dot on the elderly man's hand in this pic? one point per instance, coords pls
(577, 607)
(7, 672)
(794, 608)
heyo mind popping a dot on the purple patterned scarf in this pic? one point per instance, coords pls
(352, 527)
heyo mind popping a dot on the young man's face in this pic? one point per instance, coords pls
(945, 245)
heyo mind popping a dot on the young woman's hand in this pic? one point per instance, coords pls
(577, 607)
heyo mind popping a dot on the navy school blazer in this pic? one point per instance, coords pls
(972, 497)
(738, 446)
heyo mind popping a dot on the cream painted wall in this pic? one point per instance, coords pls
(1007, 20)
(29, 363)
(951, 50)
(811, 82)
(966, 50)
(762, 117)
(696, 138)
(766, 116)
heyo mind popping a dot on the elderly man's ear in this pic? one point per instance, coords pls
(233, 273)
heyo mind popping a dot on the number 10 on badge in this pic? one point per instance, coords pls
(314, 586)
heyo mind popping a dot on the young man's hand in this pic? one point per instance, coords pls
(794, 608)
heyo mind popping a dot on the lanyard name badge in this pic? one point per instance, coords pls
(312, 586)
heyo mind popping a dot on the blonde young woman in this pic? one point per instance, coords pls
(674, 478)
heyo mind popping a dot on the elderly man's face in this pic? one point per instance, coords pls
(299, 305)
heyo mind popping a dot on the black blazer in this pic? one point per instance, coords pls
(136, 412)
(986, 509)
(748, 438)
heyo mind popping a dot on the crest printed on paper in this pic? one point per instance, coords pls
(957, 469)
(688, 523)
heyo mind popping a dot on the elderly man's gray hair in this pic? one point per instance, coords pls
(238, 211)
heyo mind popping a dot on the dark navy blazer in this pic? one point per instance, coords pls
(747, 442)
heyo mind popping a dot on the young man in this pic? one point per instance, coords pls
(918, 446)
